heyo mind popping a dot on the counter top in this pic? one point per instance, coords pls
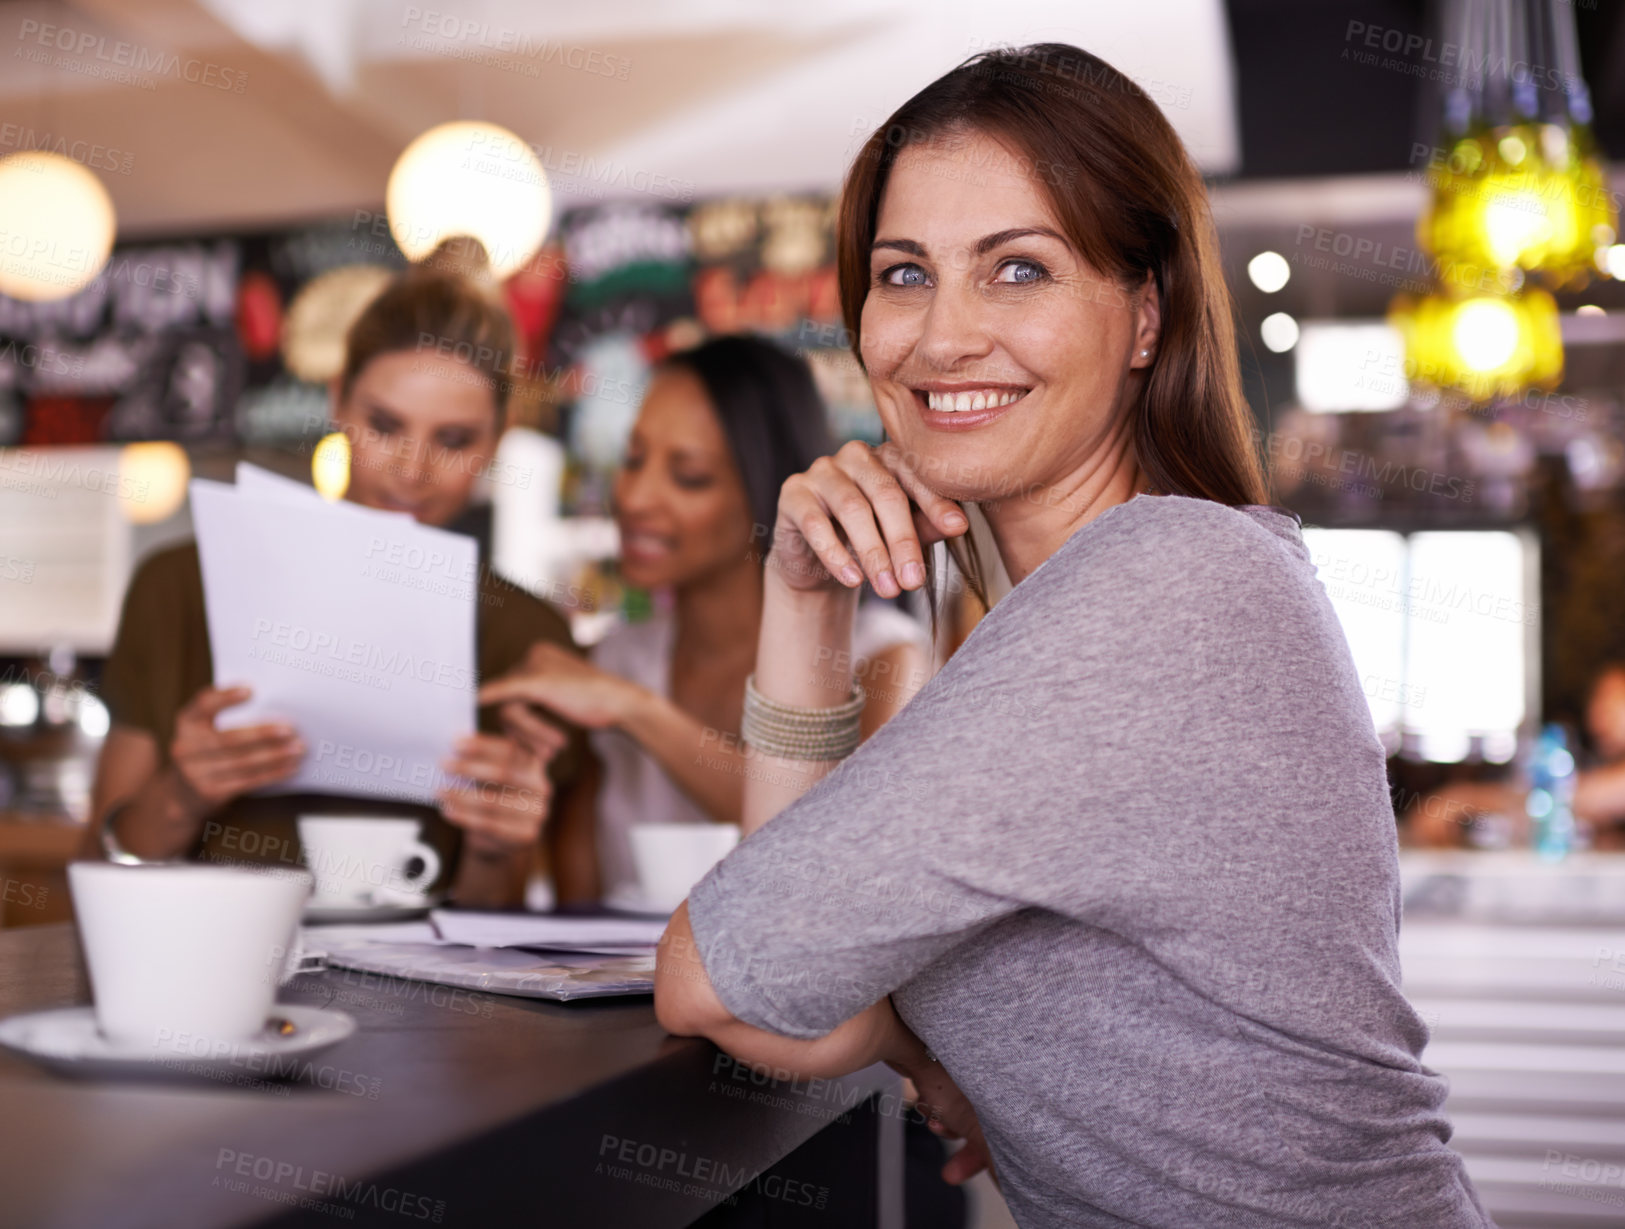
(475, 1109)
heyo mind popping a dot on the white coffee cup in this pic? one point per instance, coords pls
(185, 957)
(363, 861)
(672, 858)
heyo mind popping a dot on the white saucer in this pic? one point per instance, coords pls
(318, 911)
(630, 899)
(67, 1041)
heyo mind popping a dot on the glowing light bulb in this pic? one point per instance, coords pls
(1514, 222)
(330, 466)
(1269, 271)
(1485, 334)
(1279, 331)
(473, 179)
(152, 481)
(58, 224)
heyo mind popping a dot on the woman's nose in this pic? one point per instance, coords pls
(636, 490)
(954, 329)
(412, 465)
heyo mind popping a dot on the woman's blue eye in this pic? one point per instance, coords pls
(1024, 271)
(905, 275)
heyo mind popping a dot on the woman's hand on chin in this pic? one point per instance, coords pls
(571, 687)
(863, 513)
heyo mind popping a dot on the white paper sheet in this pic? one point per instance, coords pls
(356, 627)
(254, 480)
(572, 934)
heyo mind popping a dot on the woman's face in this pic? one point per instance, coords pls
(422, 428)
(999, 360)
(679, 498)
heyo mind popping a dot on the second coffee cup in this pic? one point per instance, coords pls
(364, 861)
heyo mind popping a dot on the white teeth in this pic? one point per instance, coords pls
(982, 399)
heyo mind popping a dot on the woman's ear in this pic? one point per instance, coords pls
(1147, 324)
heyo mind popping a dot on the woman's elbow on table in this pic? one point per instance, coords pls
(685, 1002)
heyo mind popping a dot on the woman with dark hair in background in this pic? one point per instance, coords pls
(422, 427)
(1147, 920)
(720, 429)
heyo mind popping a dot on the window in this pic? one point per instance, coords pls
(1443, 631)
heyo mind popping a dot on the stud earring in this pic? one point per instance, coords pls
(1145, 354)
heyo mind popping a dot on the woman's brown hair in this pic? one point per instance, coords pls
(447, 305)
(1131, 203)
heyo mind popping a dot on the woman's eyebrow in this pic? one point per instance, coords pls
(987, 243)
(984, 245)
(901, 245)
(693, 456)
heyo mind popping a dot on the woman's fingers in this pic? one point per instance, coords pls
(238, 761)
(540, 736)
(527, 688)
(525, 795)
(806, 525)
(901, 564)
(885, 511)
(965, 1164)
(247, 738)
(492, 747)
(224, 779)
(503, 824)
(210, 702)
(510, 791)
(863, 512)
(947, 519)
(841, 502)
(523, 792)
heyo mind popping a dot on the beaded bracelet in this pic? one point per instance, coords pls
(790, 732)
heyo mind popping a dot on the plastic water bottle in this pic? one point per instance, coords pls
(1551, 793)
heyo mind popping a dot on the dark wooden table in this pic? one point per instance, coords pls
(447, 1107)
(34, 854)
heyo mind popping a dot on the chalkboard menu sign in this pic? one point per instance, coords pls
(188, 339)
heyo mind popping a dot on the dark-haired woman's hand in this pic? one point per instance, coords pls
(862, 513)
(566, 684)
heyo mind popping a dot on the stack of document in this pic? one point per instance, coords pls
(547, 956)
(353, 625)
(548, 931)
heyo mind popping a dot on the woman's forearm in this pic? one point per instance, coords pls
(686, 1003)
(571, 838)
(492, 880)
(803, 657)
(872, 1036)
(708, 765)
(161, 820)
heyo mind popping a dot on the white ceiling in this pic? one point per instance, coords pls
(726, 95)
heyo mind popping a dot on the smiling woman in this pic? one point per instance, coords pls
(1118, 889)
